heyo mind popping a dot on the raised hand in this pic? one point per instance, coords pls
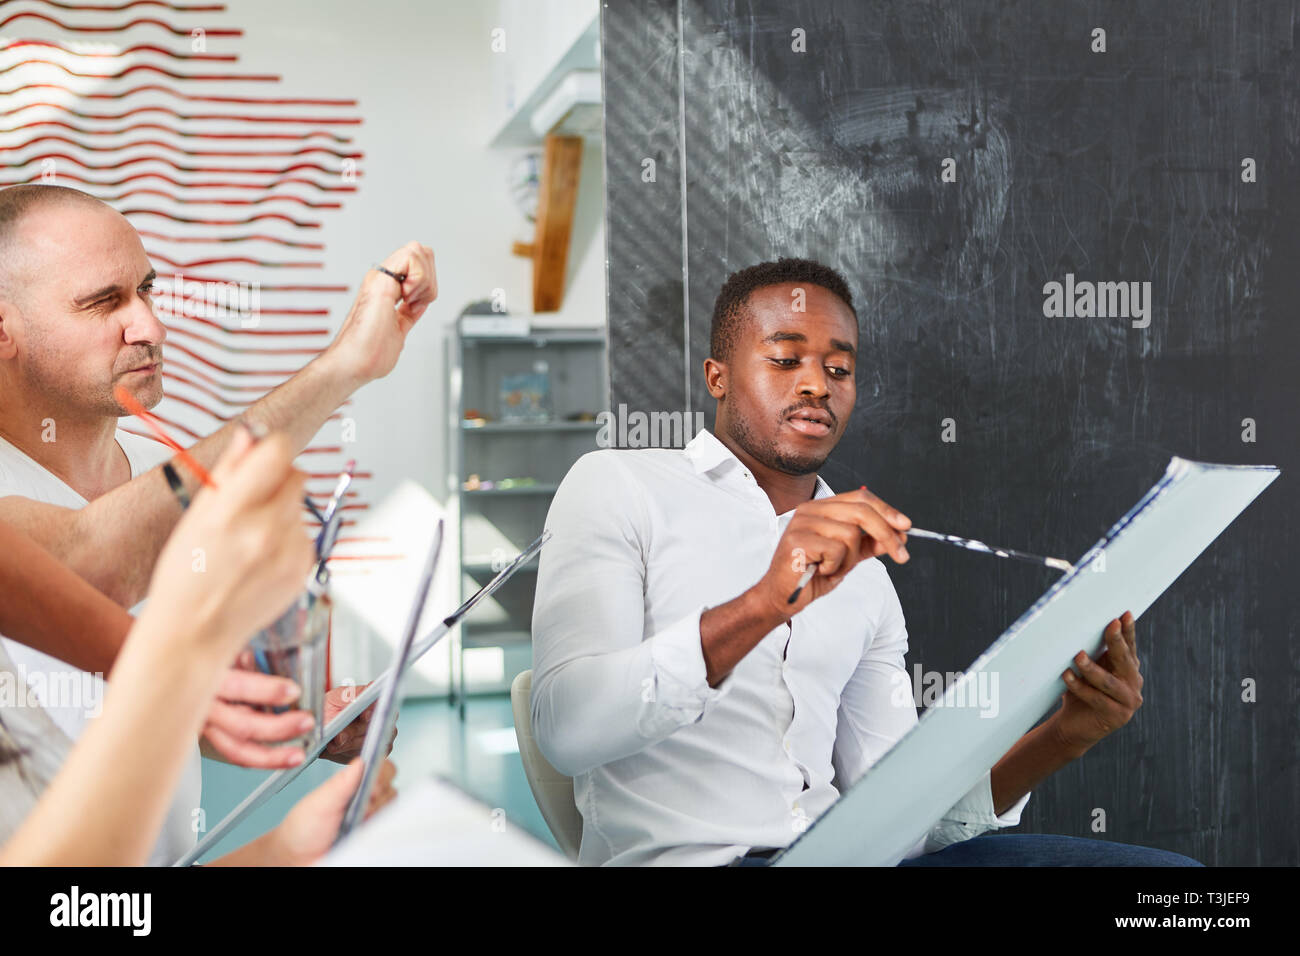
(384, 311)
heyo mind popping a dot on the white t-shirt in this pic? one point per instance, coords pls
(21, 475)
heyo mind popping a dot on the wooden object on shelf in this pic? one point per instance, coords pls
(549, 249)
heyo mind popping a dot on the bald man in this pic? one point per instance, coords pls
(76, 320)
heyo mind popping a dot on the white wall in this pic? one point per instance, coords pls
(424, 76)
(430, 91)
(537, 34)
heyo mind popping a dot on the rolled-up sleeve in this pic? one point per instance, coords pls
(602, 688)
(969, 817)
(877, 708)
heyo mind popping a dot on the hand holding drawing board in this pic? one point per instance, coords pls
(895, 803)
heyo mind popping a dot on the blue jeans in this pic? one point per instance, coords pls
(1046, 849)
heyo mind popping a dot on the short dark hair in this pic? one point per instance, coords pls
(729, 309)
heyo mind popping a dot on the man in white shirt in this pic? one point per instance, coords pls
(705, 717)
(76, 320)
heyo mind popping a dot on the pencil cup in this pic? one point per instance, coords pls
(294, 646)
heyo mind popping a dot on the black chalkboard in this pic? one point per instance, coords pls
(1117, 166)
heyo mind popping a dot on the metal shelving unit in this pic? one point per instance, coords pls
(494, 524)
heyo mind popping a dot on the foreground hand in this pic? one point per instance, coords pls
(372, 336)
(835, 533)
(238, 556)
(236, 733)
(1105, 693)
(308, 830)
(348, 743)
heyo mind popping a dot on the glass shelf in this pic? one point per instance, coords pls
(499, 427)
(525, 490)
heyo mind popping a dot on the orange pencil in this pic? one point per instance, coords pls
(127, 400)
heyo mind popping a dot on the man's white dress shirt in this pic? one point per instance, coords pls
(60, 724)
(666, 769)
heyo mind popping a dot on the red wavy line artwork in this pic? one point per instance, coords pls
(138, 48)
(211, 320)
(192, 97)
(307, 333)
(236, 349)
(197, 386)
(254, 391)
(266, 287)
(163, 144)
(226, 369)
(284, 312)
(115, 28)
(147, 68)
(156, 108)
(131, 4)
(210, 201)
(164, 152)
(252, 237)
(136, 160)
(198, 134)
(214, 394)
(244, 260)
(163, 214)
(204, 184)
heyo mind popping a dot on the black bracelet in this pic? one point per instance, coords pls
(177, 486)
(400, 278)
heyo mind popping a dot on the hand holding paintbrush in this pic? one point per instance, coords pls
(825, 539)
(969, 544)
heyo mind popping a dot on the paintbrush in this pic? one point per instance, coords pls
(1059, 564)
(331, 521)
(329, 526)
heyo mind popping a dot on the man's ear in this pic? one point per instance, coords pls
(8, 346)
(715, 378)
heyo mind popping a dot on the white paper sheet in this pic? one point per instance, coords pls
(436, 824)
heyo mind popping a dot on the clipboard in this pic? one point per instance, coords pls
(282, 778)
(896, 802)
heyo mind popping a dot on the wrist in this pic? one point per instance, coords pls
(201, 642)
(1067, 746)
(760, 608)
(336, 373)
(193, 649)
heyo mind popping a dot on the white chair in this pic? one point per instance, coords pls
(552, 790)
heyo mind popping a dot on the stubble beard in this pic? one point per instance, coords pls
(768, 454)
(44, 375)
